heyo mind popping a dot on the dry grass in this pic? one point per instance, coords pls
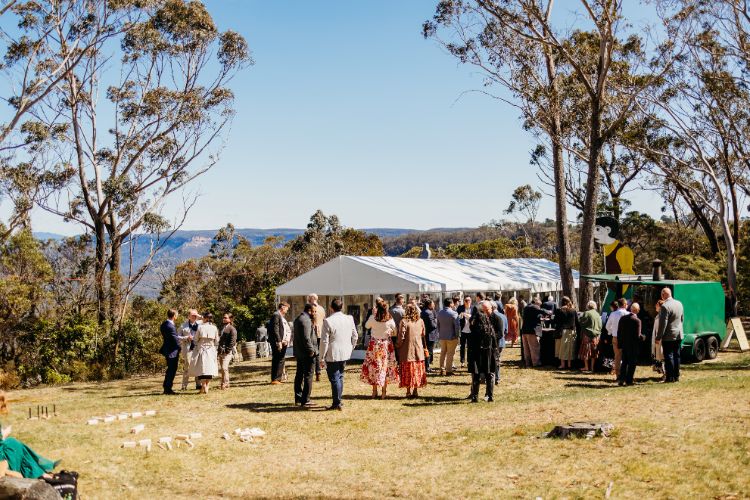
(686, 440)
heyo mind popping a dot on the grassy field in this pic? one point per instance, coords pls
(686, 440)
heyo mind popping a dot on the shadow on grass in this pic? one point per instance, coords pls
(612, 384)
(436, 400)
(271, 407)
(743, 364)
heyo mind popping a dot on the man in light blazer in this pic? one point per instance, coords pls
(669, 334)
(337, 342)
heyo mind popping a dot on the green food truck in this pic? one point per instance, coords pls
(703, 303)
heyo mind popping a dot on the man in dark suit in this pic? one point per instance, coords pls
(628, 337)
(305, 352)
(276, 339)
(170, 349)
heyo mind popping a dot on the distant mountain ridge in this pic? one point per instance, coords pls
(194, 244)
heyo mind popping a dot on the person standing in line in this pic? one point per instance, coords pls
(628, 337)
(203, 362)
(500, 324)
(669, 335)
(499, 302)
(449, 330)
(188, 329)
(305, 347)
(550, 305)
(366, 313)
(431, 332)
(319, 316)
(531, 328)
(464, 315)
(397, 313)
(567, 321)
(379, 367)
(511, 312)
(656, 351)
(337, 342)
(482, 355)
(227, 344)
(170, 349)
(591, 328)
(276, 333)
(411, 352)
(612, 321)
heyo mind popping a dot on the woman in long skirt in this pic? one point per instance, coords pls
(569, 324)
(411, 352)
(19, 458)
(203, 363)
(511, 312)
(380, 368)
(591, 329)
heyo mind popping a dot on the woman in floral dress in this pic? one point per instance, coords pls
(380, 368)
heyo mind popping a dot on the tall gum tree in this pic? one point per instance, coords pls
(490, 33)
(146, 116)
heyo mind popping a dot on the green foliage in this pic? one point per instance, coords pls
(695, 267)
(525, 200)
(501, 248)
(665, 240)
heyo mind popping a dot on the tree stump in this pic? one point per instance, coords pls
(586, 430)
(14, 488)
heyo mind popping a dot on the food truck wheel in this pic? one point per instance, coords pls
(712, 347)
(699, 349)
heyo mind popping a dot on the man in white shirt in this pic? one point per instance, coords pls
(336, 345)
(612, 323)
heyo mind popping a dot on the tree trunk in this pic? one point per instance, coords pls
(731, 254)
(115, 289)
(99, 272)
(700, 216)
(590, 206)
(558, 165)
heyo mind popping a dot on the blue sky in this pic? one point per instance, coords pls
(348, 109)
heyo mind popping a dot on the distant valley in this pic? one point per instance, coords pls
(184, 245)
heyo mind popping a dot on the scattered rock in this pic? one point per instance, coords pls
(586, 430)
(18, 488)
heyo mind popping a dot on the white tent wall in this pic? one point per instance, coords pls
(360, 280)
(389, 275)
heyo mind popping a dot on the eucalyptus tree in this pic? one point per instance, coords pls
(145, 117)
(600, 70)
(701, 118)
(35, 63)
(503, 41)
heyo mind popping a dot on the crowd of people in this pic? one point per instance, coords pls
(204, 350)
(401, 337)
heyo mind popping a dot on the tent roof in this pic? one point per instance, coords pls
(348, 275)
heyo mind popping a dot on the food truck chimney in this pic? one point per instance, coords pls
(656, 264)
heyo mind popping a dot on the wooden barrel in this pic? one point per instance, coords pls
(248, 351)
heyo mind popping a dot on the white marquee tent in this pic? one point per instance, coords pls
(348, 275)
